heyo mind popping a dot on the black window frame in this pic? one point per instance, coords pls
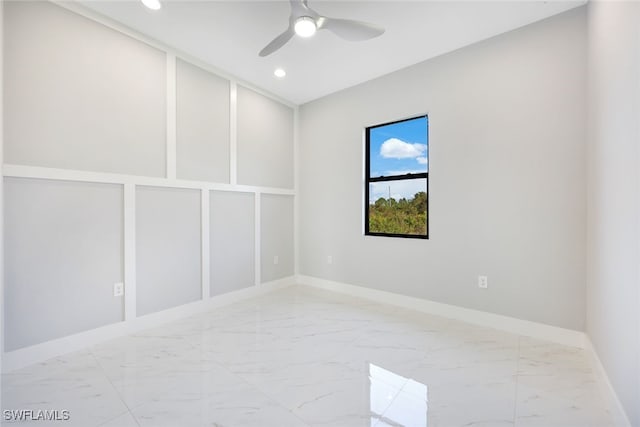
(409, 176)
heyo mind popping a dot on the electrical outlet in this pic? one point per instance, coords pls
(329, 259)
(118, 289)
(276, 260)
(483, 282)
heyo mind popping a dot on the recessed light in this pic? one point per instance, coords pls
(152, 4)
(305, 26)
(279, 73)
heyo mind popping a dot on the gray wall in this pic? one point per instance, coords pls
(64, 254)
(265, 141)
(232, 246)
(613, 291)
(168, 252)
(202, 121)
(507, 171)
(80, 95)
(2, 324)
(276, 237)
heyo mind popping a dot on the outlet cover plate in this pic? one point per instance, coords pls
(118, 289)
(483, 282)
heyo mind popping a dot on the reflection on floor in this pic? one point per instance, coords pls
(403, 401)
(300, 357)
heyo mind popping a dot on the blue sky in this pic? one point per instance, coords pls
(398, 149)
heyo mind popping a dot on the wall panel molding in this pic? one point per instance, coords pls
(205, 230)
(37, 172)
(257, 240)
(130, 291)
(168, 179)
(171, 116)
(233, 133)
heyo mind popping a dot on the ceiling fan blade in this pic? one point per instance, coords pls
(349, 29)
(278, 42)
(299, 8)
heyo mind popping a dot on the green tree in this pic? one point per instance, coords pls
(399, 217)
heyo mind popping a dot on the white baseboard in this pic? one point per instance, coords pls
(609, 395)
(509, 324)
(40, 352)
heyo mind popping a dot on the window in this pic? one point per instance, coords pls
(397, 178)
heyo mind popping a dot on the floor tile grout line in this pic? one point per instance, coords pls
(104, 372)
(256, 388)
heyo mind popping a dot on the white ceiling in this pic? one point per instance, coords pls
(229, 34)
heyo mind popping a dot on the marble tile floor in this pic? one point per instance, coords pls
(306, 357)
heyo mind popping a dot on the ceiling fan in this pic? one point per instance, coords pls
(305, 21)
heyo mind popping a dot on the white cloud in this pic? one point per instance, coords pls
(395, 148)
(422, 160)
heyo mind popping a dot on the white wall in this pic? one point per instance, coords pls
(115, 144)
(507, 177)
(613, 291)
